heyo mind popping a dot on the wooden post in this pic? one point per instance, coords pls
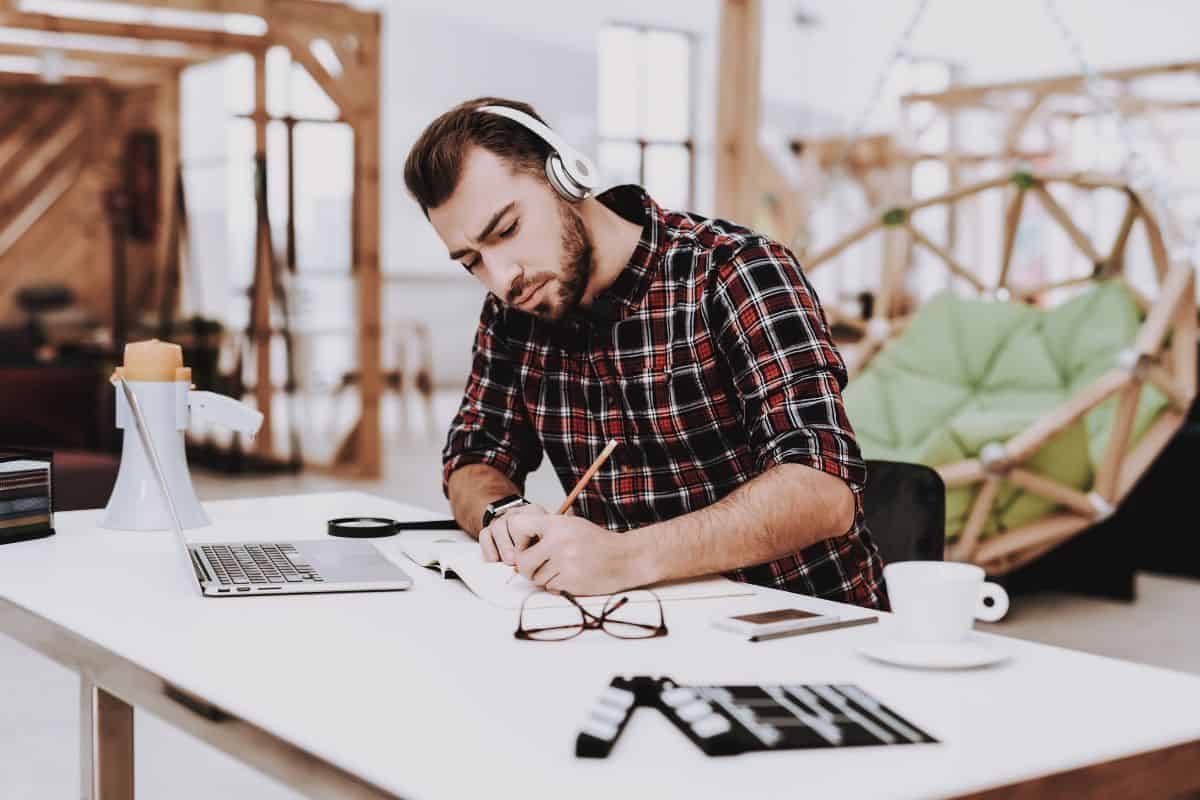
(169, 156)
(367, 260)
(261, 288)
(738, 108)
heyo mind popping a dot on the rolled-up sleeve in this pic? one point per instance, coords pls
(788, 376)
(491, 426)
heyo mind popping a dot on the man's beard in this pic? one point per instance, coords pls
(577, 265)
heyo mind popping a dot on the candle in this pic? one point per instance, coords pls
(152, 361)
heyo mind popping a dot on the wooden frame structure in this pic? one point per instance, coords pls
(339, 47)
(1022, 105)
(1164, 355)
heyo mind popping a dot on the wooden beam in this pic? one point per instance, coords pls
(251, 7)
(41, 116)
(957, 194)
(961, 473)
(1147, 449)
(1012, 220)
(215, 41)
(1033, 293)
(1052, 490)
(84, 55)
(1056, 85)
(842, 244)
(298, 46)
(1154, 329)
(1026, 443)
(1055, 528)
(968, 542)
(47, 197)
(1158, 247)
(949, 260)
(738, 101)
(1021, 121)
(1116, 256)
(31, 169)
(104, 76)
(1060, 215)
(1166, 383)
(1183, 343)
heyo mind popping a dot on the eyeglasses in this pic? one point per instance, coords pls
(547, 617)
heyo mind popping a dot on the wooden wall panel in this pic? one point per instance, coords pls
(70, 243)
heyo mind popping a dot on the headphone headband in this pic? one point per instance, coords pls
(571, 173)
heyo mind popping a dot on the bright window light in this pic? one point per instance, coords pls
(645, 113)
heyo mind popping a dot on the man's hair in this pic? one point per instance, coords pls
(434, 164)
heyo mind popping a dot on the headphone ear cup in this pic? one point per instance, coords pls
(563, 183)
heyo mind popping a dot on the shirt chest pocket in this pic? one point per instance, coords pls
(669, 401)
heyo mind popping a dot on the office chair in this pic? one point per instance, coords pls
(905, 509)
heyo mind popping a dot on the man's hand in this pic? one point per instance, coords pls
(574, 555)
(500, 542)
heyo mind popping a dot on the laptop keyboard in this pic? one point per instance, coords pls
(246, 564)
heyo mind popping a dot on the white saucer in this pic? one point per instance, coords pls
(969, 654)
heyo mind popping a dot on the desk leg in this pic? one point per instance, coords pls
(106, 744)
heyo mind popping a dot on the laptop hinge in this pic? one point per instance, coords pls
(198, 565)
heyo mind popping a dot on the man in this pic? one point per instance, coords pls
(695, 343)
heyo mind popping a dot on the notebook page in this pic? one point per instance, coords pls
(499, 585)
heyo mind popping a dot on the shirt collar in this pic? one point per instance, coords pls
(628, 290)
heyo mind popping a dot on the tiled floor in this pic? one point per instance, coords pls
(39, 757)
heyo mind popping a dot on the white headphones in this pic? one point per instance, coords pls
(570, 172)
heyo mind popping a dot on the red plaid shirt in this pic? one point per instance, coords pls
(709, 360)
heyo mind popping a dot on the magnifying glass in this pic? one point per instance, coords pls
(374, 527)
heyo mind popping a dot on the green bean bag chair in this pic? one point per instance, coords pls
(967, 372)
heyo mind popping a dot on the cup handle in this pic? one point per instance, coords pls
(999, 607)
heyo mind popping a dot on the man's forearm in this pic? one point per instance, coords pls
(787, 508)
(471, 488)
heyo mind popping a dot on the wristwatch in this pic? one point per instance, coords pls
(498, 507)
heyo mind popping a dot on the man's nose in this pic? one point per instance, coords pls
(506, 278)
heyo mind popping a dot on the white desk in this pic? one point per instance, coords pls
(426, 693)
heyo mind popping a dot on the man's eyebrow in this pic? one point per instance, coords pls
(486, 232)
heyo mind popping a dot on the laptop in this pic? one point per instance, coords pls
(241, 569)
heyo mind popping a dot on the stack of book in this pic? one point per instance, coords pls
(26, 511)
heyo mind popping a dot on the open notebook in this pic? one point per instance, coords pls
(456, 553)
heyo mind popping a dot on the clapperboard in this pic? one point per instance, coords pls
(728, 720)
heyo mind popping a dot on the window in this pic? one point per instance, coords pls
(645, 115)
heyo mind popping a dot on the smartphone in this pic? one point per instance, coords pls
(761, 623)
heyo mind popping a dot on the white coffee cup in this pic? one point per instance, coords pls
(937, 601)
